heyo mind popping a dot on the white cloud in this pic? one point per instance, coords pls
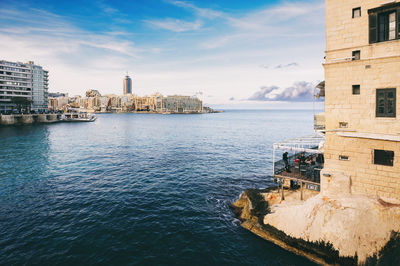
(301, 91)
(282, 15)
(201, 12)
(221, 60)
(175, 25)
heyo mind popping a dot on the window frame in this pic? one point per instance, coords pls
(385, 114)
(384, 34)
(356, 9)
(375, 16)
(353, 87)
(354, 53)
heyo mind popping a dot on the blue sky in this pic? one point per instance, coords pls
(255, 53)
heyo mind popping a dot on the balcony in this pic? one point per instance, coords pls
(304, 162)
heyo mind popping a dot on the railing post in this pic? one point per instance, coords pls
(301, 190)
(279, 189)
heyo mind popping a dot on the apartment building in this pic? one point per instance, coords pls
(15, 81)
(40, 87)
(362, 83)
(20, 81)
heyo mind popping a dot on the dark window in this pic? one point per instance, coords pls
(344, 158)
(356, 55)
(383, 157)
(384, 23)
(356, 89)
(386, 103)
(357, 12)
(387, 26)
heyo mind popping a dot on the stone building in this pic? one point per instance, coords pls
(362, 81)
(93, 93)
(182, 104)
(355, 203)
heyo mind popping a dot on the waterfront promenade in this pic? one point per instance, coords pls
(27, 119)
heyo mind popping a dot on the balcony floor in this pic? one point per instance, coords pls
(295, 174)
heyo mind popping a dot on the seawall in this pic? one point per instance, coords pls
(29, 119)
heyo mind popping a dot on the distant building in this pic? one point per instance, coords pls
(56, 94)
(181, 104)
(127, 84)
(19, 80)
(93, 93)
(15, 81)
(155, 103)
(40, 87)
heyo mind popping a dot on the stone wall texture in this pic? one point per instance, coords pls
(378, 68)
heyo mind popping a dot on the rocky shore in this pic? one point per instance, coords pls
(328, 230)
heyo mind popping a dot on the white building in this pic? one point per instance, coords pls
(15, 81)
(18, 81)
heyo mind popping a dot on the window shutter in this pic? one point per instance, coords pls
(398, 23)
(373, 28)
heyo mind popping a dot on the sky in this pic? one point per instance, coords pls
(231, 53)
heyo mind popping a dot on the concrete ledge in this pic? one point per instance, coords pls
(369, 136)
(7, 120)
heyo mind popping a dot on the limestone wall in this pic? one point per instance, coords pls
(359, 111)
(363, 176)
(345, 32)
(378, 68)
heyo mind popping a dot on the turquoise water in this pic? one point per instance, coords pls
(139, 188)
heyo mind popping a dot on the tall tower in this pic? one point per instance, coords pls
(127, 84)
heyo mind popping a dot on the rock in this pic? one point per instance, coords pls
(355, 225)
(326, 229)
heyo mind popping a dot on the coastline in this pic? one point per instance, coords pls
(29, 119)
(254, 206)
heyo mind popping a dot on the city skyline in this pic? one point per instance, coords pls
(231, 51)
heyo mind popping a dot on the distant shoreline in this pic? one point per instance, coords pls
(165, 113)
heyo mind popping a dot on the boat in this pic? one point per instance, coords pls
(78, 117)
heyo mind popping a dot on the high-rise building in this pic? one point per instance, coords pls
(127, 85)
(40, 87)
(15, 84)
(19, 81)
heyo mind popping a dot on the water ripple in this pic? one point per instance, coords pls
(139, 189)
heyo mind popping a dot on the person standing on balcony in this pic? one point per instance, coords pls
(286, 161)
(320, 160)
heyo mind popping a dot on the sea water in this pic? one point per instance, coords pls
(139, 188)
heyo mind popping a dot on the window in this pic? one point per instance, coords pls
(344, 158)
(387, 26)
(343, 124)
(384, 23)
(356, 55)
(386, 103)
(383, 157)
(356, 89)
(357, 12)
